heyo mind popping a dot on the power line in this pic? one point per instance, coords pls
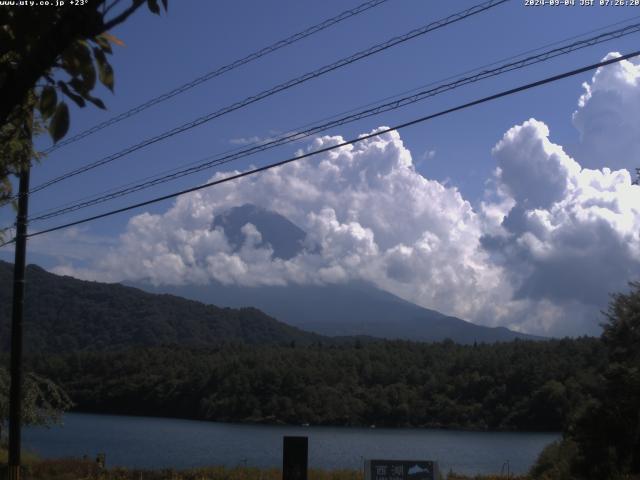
(335, 116)
(220, 71)
(353, 141)
(298, 135)
(456, 17)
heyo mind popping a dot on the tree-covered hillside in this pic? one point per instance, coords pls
(65, 314)
(519, 385)
(116, 349)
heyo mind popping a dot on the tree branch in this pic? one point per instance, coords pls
(110, 7)
(123, 16)
(74, 24)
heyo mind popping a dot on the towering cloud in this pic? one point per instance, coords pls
(572, 234)
(553, 237)
(607, 117)
(367, 212)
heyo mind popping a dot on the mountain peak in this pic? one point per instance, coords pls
(283, 236)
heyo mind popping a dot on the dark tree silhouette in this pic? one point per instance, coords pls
(48, 55)
(607, 431)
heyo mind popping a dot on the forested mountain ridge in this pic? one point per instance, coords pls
(65, 314)
(116, 349)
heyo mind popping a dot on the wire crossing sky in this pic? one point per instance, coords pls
(220, 71)
(297, 135)
(451, 19)
(519, 213)
(343, 116)
(361, 138)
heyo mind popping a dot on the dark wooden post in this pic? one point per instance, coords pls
(15, 396)
(295, 454)
(15, 393)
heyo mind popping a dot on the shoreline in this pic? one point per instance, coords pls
(452, 429)
(134, 442)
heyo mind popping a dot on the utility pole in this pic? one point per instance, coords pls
(15, 395)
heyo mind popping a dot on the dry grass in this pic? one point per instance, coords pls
(75, 469)
(455, 476)
(82, 469)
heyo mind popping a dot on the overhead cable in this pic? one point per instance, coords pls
(352, 141)
(220, 71)
(456, 17)
(298, 135)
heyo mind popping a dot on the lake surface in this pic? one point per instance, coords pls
(148, 442)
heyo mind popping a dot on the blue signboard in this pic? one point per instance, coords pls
(401, 470)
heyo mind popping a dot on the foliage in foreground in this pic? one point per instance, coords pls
(607, 430)
(48, 55)
(602, 441)
(554, 462)
(43, 404)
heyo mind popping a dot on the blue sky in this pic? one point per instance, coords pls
(196, 37)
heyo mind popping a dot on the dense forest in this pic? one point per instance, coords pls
(116, 349)
(519, 385)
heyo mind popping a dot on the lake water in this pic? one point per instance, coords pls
(161, 443)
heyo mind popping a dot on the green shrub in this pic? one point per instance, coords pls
(554, 462)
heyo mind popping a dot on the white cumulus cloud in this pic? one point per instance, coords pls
(572, 234)
(372, 216)
(555, 234)
(608, 115)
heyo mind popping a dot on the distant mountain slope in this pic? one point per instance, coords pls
(349, 309)
(346, 309)
(65, 314)
(285, 238)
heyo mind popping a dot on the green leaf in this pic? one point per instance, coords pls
(85, 62)
(153, 6)
(48, 100)
(76, 58)
(59, 124)
(77, 99)
(89, 76)
(103, 43)
(78, 85)
(105, 72)
(70, 63)
(97, 102)
(100, 56)
(82, 52)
